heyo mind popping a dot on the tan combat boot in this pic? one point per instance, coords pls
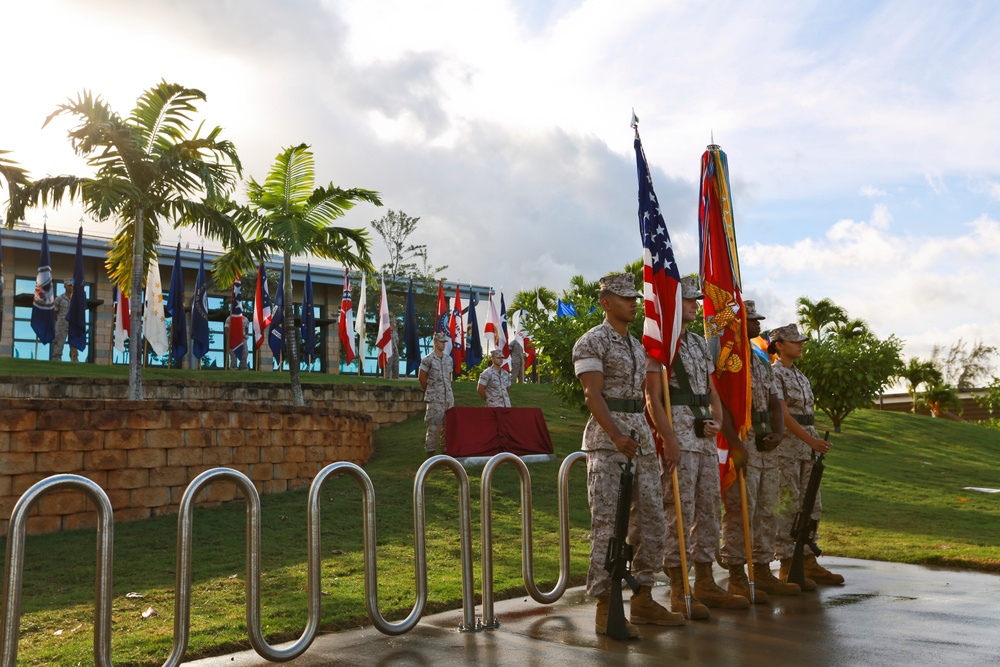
(766, 581)
(820, 574)
(644, 610)
(807, 583)
(709, 592)
(739, 584)
(601, 621)
(699, 612)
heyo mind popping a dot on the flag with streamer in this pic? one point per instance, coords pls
(43, 314)
(308, 320)
(276, 334)
(175, 308)
(154, 321)
(474, 352)
(359, 322)
(345, 324)
(384, 339)
(199, 312)
(237, 332)
(456, 331)
(77, 315)
(261, 308)
(725, 316)
(661, 280)
(505, 346)
(411, 338)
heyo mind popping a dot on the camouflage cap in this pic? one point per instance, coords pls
(690, 289)
(752, 313)
(496, 354)
(622, 284)
(68, 282)
(788, 333)
(441, 336)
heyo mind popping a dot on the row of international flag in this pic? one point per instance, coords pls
(719, 272)
(461, 326)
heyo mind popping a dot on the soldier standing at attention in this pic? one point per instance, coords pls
(61, 307)
(796, 452)
(697, 415)
(391, 370)
(435, 379)
(494, 383)
(611, 365)
(763, 481)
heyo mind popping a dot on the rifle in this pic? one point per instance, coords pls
(619, 557)
(805, 526)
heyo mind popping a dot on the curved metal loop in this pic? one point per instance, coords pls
(527, 545)
(14, 574)
(469, 623)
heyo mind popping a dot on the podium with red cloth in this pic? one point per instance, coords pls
(474, 432)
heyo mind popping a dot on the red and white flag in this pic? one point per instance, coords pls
(384, 340)
(123, 323)
(493, 326)
(261, 308)
(346, 325)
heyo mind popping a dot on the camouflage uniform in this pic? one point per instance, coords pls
(438, 397)
(698, 470)
(496, 384)
(763, 483)
(516, 360)
(623, 364)
(61, 307)
(795, 457)
(391, 370)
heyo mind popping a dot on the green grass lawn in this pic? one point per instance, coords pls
(892, 491)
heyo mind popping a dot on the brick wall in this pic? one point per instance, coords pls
(144, 453)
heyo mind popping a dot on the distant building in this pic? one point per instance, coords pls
(21, 248)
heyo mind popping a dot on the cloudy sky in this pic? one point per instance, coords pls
(860, 134)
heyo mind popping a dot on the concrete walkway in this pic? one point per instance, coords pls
(886, 614)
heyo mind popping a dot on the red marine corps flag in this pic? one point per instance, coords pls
(725, 316)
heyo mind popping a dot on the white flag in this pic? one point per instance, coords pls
(384, 339)
(154, 323)
(359, 324)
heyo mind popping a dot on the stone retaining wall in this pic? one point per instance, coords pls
(144, 453)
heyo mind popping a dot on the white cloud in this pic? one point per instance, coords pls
(871, 191)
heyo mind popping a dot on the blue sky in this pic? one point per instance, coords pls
(861, 135)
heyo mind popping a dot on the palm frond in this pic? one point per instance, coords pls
(241, 260)
(162, 114)
(329, 203)
(349, 247)
(17, 180)
(119, 259)
(290, 181)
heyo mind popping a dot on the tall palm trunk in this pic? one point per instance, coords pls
(135, 312)
(292, 336)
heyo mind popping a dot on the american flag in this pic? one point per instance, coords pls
(661, 279)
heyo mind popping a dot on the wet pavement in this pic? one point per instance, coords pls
(885, 614)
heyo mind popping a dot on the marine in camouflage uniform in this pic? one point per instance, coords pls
(516, 360)
(611, 365)
(61, 307)
(435, 379)
(796, 453)
(391, 369)
(494, 383)
(762, 478)
(693, 399)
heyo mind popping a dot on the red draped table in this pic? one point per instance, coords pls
(490, 431)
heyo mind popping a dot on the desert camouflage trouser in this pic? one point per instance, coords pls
(701, 505)
(763, 486)
(794, 480)
(434, 418)
(646, 528)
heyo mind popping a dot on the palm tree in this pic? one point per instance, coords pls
(918, 372)
(850, 329)
(16, 179)
(943, 401)
(817, 316)
(287, 214)
(150, 169)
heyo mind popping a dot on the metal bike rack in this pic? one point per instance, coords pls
(527, 545)
(13, 576)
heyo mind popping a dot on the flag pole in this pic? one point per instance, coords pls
(114, 319)
(747, 538)
(681, 542)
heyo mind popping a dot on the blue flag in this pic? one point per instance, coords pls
(199, 312)
(43, 314)
(474, 351)
(411, 339)
(565, 309)
(77, 315)
(175, 308)
(308, 321)
(276, 335)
